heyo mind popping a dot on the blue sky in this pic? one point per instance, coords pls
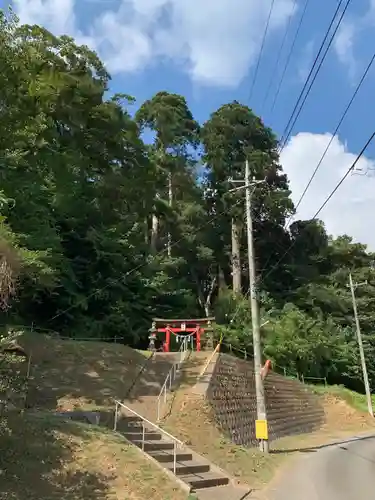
(207, 51)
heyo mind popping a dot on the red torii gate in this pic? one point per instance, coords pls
(180, 327)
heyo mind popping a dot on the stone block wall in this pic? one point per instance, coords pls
(291, 407)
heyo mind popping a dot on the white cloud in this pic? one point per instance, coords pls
(372, 7)
(344, 46)
(307, 58)
(350, 31)
(351, 208)
(214, 41)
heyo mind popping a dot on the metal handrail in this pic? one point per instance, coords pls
(298, 376)
(171, 376)
(209, 360)
(238, 349)
(176, 442)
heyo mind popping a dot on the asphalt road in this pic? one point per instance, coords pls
(344, 471)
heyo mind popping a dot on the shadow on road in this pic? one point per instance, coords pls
(313, 449)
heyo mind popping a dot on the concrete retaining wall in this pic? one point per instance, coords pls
(291, 407)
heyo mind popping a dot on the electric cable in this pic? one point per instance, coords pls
(333, 136)
(261, 49)
(312, 69)
(288, 59)
(314, 78)
(350, 169)
(277, 60)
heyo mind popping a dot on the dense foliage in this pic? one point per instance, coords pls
(109, 230)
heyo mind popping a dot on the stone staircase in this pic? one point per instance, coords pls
(205, 479)
(192, 471)
(196, 472)
(143, 396)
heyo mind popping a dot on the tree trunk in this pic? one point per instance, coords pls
(146, 227)
(221, 279)
(205, 302)
(236, 257)
(208, 301)
(170, 200)
(154, 233)
(155, 230)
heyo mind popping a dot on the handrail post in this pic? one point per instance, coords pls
(176, 442)
(171, 377)
(115, 422)
(143, 435)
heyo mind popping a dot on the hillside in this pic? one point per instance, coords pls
(74, 460)
(107, 219)
(50, 459)
(223, 425)
(352, 398)
(70, 373)
(216, 421)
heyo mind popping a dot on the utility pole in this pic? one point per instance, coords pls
(261, 423)
(353, 286)
(259, 386)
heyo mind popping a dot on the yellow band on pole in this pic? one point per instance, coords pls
(261, 429)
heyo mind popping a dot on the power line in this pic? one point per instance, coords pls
(277, 60)
(311, 71)
(316, 74)
(333, 135)
(288, 59)
(261, 49)
(350, 169)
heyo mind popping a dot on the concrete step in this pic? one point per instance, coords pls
(129, 426)
(163, 456)
(138, 435)
(131, 421)
(204, 480)
(154, 445)
(186, 467)
(129, 418)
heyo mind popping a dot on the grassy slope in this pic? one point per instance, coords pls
(357, 401)
(72, 374)
(50, 459)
